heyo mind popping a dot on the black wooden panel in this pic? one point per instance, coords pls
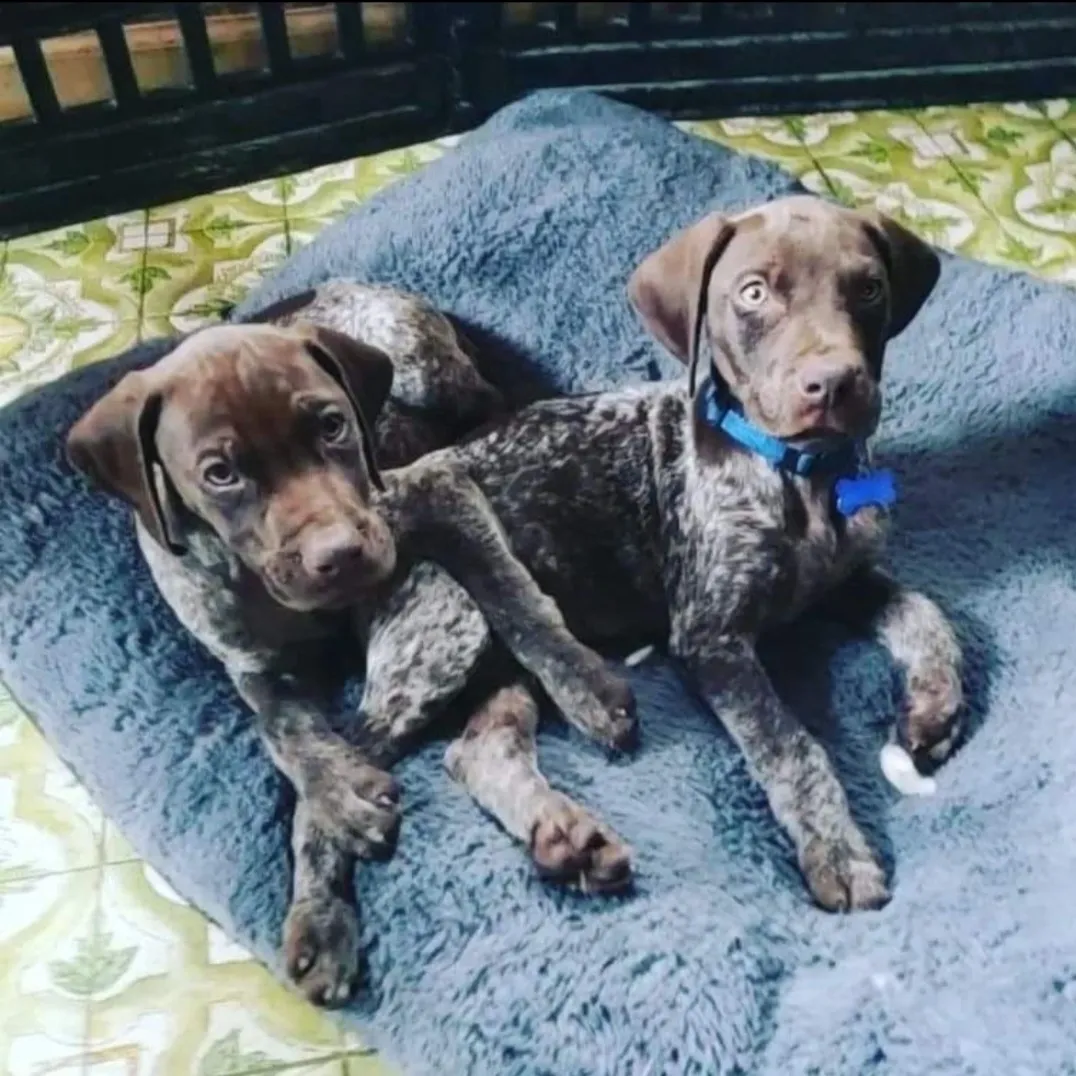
(462, 61)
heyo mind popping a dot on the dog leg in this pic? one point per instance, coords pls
(423, 646)
(924, 647)
(795, 772)
(448, 520)
(346, 795)
(321, 932)
(495, 759)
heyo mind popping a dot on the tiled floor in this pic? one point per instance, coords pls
(103, 969)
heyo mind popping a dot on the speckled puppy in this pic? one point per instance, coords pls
(248, 456)
(699, 520)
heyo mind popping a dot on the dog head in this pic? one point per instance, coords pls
(799, 298)
(264, 435)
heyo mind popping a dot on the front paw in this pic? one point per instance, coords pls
(571, 847)
(355, 802)
(843, 874)
(321, 949)
(610, 713)
(931, 724)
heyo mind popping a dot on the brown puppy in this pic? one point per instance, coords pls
(651, 516)
(248, 459)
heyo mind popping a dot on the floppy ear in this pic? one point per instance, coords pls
(113, 445)
(667, 287)
(363, 372)
(912, 265)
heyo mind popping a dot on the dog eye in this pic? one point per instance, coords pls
(870, 291)
(219, 473)
(332, 426)
(753, 294)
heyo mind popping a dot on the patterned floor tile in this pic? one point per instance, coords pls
(781, 140)
(68, 297)
(48, 823)
(45, 1039)
(44, 922)
(366, 1064)
(180, 997)
(194, 278)
(258, 203)
(115, 847)
(321, 195)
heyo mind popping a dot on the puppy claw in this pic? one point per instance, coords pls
(570, 847)
(356, 802)
(843, 875)
(321, 949)
(614, 723)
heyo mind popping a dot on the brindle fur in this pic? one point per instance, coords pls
(644, 524)
(232, 569)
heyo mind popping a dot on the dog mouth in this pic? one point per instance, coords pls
(821, 433)
(330, 596)
(855, 421)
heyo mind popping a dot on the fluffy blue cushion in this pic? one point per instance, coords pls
(720, 964)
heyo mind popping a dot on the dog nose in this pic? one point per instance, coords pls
(828, 385)
(332, 551)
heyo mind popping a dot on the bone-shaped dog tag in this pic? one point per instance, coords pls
(877, 489)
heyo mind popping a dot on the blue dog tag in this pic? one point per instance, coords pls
(878, 489)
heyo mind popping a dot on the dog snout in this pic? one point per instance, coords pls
(828, 385)
(333, 552)
(833, 392)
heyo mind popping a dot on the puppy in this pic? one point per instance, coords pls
(699, 519)
(249, 457)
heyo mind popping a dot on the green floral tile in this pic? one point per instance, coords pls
(258, 203)
(182, 997)
(97, 257)
(367, 1064)
(321, 195)
(43, 1016)
(38, 1037)
(780, 140)
(115, 847)
(48, 823)
(195, 278)
(12, 723)
(1060, 114)
(66, 298)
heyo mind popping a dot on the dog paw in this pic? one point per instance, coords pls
(570, 847)
(610, 717)
(932, 721)
(321, 949)
(356, 802)
(844, 875)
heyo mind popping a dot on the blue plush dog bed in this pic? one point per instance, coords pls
(719, 963)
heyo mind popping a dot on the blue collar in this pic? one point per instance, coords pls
(855, 486)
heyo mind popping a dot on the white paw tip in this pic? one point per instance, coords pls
(638, 657)
(899, 769)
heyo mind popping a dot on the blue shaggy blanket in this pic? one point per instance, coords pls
(719, 964)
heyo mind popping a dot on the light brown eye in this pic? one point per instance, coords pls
(753, 294)
(870, 291)
(333, 427)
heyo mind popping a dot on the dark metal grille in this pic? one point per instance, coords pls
(187, 97)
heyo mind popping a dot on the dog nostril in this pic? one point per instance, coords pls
(333, 552)
(831, 387)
